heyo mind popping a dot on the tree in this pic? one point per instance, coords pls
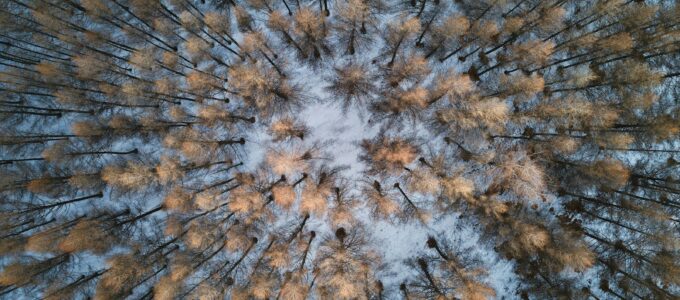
(170, 136)
(447, 274)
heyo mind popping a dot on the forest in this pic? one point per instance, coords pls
(499, 149)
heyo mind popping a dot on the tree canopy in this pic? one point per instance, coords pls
(133, 163)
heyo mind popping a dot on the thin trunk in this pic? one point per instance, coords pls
(394, 53)
(304, 176)
(81, 280)
(513, 8)
(11, 161)
(422, 8)
(639, 281)
(299, 228)
(396, 185)
(23, 112)
(666, 203)
(89, 112)
(404, 290)
(423, 266)
(641, 150)
(596, 216)
(62, 203)
(312, 235)
(427, 27)
(29, 228)
(326, 10)
(141, 216)
(133, 151)
(216, 184)
(278, 70)
(290, 13)
(617, 247)
(350, 47)
(240, 259)
(211, 255)
(454, 52)
(441, 253)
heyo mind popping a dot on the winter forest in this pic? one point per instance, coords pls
(339, 149)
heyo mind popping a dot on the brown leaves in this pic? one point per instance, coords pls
(389, 155)
(609, 172)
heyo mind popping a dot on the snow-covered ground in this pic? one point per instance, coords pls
(396, 242)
